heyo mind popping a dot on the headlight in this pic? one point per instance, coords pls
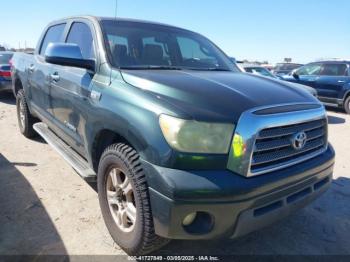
(196, 137)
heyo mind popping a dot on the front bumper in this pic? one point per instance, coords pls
(236, 205)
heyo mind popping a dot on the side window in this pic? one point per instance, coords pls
(81, 35)
(53, 35)
(334, 70)
(309, 70)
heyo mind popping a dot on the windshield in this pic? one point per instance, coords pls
(5, 58)
(136, 45)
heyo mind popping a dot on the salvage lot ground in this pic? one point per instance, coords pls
(46, 208)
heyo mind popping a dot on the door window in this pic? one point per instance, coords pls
(334, 70)
(309, 70)
(53, 35)
(81, 35)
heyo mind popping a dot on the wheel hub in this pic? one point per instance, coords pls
(120, 197)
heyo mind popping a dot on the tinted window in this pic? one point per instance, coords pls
(53, 35)
(312, 69)
(334, 70)
(142, 45)
(80, 34)
(5, 58)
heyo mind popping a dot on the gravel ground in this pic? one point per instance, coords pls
(46, 208)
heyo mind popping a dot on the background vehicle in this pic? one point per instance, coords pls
(285, 68)
(259, 70)
(331, 79)
(5, 70)
(182, 143)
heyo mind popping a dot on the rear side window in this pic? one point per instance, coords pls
(81, 35)
(334, 70)
(53, 35)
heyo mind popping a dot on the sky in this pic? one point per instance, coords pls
(304, 30)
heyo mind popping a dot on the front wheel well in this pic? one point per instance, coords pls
(18, 86)
(104, 139)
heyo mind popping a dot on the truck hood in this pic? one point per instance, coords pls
(215, 96)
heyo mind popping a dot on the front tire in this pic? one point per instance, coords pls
(25, 119)
(347, 105)
(124, 201)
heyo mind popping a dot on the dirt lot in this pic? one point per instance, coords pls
(46, 208)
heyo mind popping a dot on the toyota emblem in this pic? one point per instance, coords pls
(299, 140)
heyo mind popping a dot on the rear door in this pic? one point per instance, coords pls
(72, 88)
(39, 73)
(332, 78)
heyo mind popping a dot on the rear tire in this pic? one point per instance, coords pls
(347, 105)
(25, 119)
(124, 201)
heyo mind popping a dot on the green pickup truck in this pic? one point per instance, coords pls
(183, 145)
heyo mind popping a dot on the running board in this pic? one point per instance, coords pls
(74, 159)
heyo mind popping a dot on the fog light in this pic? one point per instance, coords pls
(188, 220)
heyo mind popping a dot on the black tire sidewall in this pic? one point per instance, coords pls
(21, 100)
(347, 105)
(125, 240)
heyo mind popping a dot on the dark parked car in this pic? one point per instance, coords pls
(331, 79)
(5, 70)
(285, 68)
(183, 145)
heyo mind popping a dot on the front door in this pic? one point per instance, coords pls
(71, 88)
(308, 74)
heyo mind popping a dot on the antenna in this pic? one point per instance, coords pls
(116, 9)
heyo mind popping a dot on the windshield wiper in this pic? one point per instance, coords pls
(217, 69)
(210, 69)
(151, 67)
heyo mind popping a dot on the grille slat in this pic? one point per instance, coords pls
(289, 130)
(274, 147)
(285, 142)
(286, 153)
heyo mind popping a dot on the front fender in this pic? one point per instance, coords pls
(132, 116)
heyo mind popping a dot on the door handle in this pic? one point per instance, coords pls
(55, 77)
(341, 81)
(31, 68)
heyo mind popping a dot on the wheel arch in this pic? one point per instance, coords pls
(105, 137)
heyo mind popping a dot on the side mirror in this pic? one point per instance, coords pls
(295, 75)
(67, 55)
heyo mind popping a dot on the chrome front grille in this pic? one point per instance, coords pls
(274, 146)
(268, 139)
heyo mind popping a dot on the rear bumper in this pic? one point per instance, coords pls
(232, 205)
(5, 85)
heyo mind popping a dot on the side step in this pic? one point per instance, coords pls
(74, 159)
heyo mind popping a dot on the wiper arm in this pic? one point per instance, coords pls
(218, 69)
(151, 67)
(210, 69)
